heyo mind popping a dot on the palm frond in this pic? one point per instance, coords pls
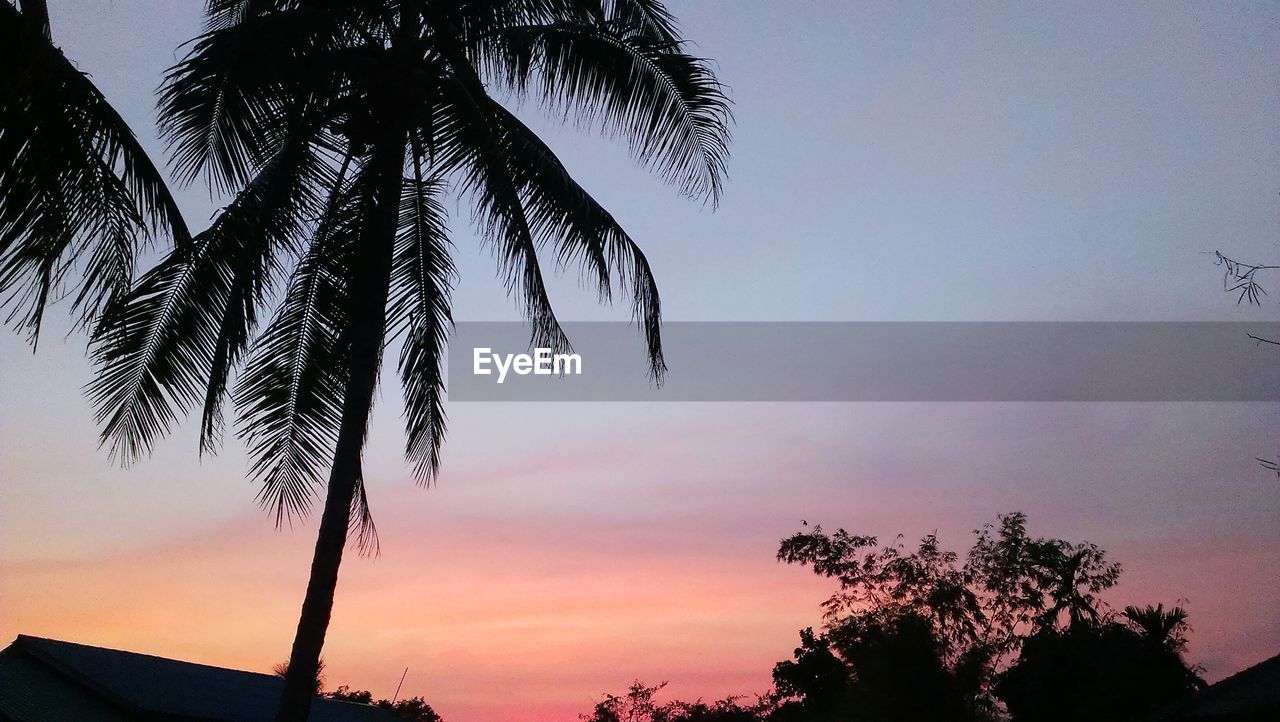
(279, 99)
(562, 210)
(290, 395)
(1167, 628)
(647, 17)
(223, 14)
(366, 533)
(152, 350)
(667, 104)
(419, 308)
(77, 191)
(267, 221)
(472, 149)
(177, 335)
(227, 106)
(471, 19)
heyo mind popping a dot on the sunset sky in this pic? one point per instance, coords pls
(891, 162)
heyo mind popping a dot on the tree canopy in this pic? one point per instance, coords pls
(1014, 629)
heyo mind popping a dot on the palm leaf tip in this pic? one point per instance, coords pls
(419, 311)
(363, 531)
(668, 105)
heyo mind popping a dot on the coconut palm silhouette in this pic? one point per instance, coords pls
(341, 127)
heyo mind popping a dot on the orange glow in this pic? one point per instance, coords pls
(527, 627)
(533, 625)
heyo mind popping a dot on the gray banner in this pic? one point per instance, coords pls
(918, 361)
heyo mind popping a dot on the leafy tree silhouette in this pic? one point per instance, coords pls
(638, 705)
(1017, 627)
(341, 127)
(898, 670)
(814, 686)
(922, 634)
(414, 709)
(1105, 671)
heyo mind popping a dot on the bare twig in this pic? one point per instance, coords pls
(1242, 277)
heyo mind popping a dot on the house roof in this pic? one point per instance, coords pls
(1243, 695)
(47, 679)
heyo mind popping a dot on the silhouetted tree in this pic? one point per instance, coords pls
(1105, 671)
(813, 686)
(1076, 575)
(977, 612)
(728, 709)
(78, 194)
(918, 635)
(342, 126)
(877, 668)
(1165, 629)
(345, 694)
(638, 705)
(898, 672)
(414, 709)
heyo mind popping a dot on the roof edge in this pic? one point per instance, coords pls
(29, 646)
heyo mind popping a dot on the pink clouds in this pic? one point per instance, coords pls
(546, 570)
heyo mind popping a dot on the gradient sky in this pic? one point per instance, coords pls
(934, 162)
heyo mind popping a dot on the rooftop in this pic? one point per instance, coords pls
(43, 679)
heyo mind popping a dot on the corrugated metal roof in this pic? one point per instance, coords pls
(166, 689)
(31, 691)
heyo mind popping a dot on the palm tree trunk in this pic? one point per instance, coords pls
(38, 11)
(370, 284)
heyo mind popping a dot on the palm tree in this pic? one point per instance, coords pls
(78, 195)
(281, 670)
(341, 126)
(1073, 577)
(1164, 629)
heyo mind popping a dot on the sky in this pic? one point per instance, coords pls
(891, 162)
